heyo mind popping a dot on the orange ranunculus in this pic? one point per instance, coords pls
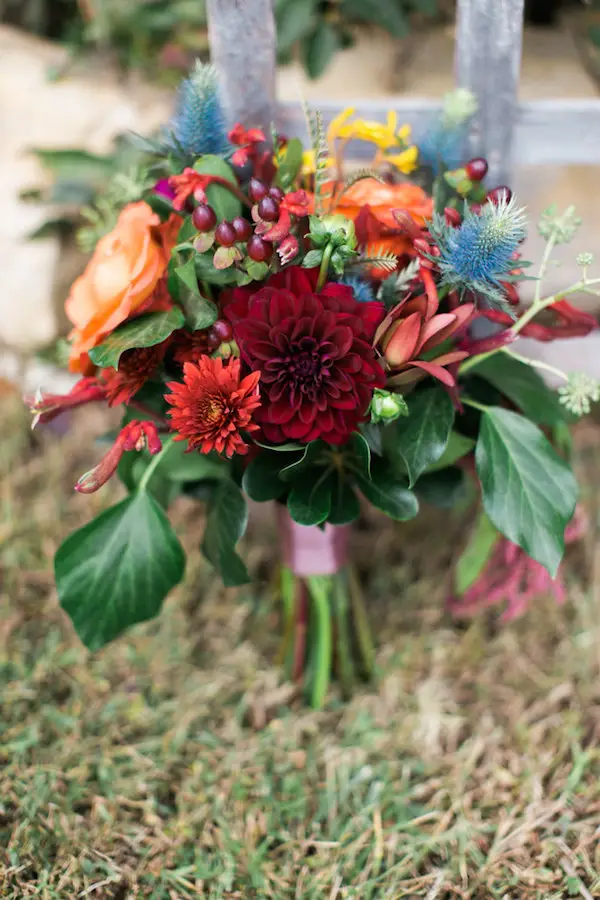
(375, 202)
(121, 276)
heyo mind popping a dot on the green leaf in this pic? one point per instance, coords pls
(146, 331)
(257, 271)
(421, 439)
(443, 489)
(476, 554)
(117, 569)
(524, 386)
(291, 164)
(294, 21)
(312, 259)
(77, 165)
(318, 48)
(225, 524)
(180, 465)
(373, 435)
(309, 500)
(528, 491)
(388, 492)
(458, 446)
(207, 272)
(377, 12)
(357, 455)
(311, 454)
(261, 478)
(187, 274)
(345, 507)
(225, 204)
(199, 312)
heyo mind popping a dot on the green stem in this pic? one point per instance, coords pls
(344, 653)
(324, 270)
(317, 588)
(361, 626)
(543, 267)
(536, 364)
(287, 584)
(469, 364)
(468, 402)
(154, 464)
(216, 179)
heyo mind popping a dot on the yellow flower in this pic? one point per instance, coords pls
(385, 135)
(309, 165)
(406, 161)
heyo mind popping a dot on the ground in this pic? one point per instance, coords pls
(175, 764)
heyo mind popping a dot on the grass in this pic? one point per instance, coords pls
(175, 764)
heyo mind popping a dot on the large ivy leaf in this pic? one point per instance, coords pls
(388, 492)
(225, 524)
(458, 446)
(528, 491)
(146, 331)
(524, 386)
(421, 439)
(261, 481)
(117, 569)
(225, 204)
(309, 500)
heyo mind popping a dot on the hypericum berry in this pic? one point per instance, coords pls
(222, 329)
(452, 216)
(259, 250)
(268, 209)
(225, 234)
(242, 227)
(257, 190)
(276, 193)
(477, 168)
(213, 341)
(204, 218)
(497, 194)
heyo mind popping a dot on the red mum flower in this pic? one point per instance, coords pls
(214, 405)
(136, 367)
(189, 346)
(314, 352)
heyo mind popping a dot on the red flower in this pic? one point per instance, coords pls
(189, 346)
(135, 435)
(46, 407)
(247, 140)
(214, 405)
(186, 184)
(568, 322)
(135, 368)
(318, 368)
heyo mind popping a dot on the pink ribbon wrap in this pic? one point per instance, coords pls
(310, 550)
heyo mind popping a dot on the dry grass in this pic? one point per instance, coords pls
(171, 765)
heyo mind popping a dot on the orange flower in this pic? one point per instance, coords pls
(121, 276)
(370, 205)
(214, 405)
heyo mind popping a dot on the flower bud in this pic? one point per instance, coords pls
(386, 406)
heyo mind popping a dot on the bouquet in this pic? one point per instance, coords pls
(276, 326)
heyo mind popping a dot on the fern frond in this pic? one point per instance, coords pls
(360, 175)
(385, 260)
(318, 140)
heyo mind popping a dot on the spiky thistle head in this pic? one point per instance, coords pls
(442, 144)
(363, 292)
(198, 125)
(479, 254)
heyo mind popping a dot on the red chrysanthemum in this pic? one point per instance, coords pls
(136, 367)
(214, 405)
(314, 352)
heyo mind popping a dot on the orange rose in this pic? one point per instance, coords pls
(121, 276)
(378, 200)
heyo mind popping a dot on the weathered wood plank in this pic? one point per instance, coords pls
(547, 132)
(242, 46)
(488, 62)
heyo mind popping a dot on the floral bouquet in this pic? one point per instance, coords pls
(278, 328)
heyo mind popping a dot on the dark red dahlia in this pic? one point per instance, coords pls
(314, 352)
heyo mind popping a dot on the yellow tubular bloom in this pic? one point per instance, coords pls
(386, 136)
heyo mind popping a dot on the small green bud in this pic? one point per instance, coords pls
(559, 227)
(386, 406)
(584, 260)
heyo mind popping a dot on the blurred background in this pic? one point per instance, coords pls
(175, 764)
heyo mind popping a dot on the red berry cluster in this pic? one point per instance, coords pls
(227, 234)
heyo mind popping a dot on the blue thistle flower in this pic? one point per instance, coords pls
(363, 292)
(442, 146)
(478, 255)
(198, 125)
